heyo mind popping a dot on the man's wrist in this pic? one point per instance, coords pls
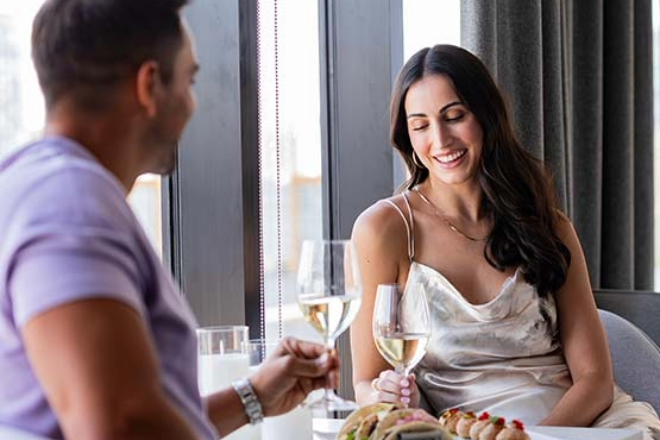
(248, 397)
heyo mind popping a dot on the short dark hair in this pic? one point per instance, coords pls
(86, 47)
(518, 192)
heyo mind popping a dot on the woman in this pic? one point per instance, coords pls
(515, 329)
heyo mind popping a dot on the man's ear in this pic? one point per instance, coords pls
(148, 86)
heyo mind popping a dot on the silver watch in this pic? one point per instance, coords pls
(253, 409)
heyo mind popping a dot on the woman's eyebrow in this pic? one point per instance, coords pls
(448, 106)
(442, 110)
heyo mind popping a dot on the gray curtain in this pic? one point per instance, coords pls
(579, 78)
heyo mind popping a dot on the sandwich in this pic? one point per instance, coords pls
(361, 423)
(386, 421)
(409, 420)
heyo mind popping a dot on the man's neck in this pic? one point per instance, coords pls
(104, 138)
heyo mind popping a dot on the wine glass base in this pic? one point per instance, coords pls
(330, 402)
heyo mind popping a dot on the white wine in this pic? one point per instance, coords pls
(402, 350)
(330, 315)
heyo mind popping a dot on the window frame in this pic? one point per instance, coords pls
(211, 201)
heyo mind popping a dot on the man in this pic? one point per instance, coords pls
(96, 342)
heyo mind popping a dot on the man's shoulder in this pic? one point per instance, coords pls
(45, 181)
(56, 159)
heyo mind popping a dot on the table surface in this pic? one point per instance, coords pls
(326, 429)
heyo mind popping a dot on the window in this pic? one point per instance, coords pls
(22, 108)
(430, 22)
(21, 104)
(146, 203)
(290, 144)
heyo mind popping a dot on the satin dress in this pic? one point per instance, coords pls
(503, 356)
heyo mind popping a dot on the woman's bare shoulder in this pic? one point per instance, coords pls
(381, 238)
(564, 228)
(382, 218)
(382, 225)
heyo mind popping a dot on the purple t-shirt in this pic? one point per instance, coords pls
(67, 233)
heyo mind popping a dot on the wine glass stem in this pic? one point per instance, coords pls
(330, 343)
(403, 371)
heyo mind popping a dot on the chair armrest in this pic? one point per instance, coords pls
(642, 308)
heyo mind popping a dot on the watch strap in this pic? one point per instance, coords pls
(253, 408)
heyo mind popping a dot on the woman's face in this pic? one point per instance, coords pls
(444, 133)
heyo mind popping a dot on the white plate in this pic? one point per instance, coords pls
(327, 429)
(557, 433)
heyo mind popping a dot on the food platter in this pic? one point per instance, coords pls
(327, 429)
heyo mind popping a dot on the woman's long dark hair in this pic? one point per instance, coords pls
(518, 193)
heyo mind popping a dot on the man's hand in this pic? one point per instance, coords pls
(294, 370)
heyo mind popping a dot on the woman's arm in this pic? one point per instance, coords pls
(381, 241)
(584, 343)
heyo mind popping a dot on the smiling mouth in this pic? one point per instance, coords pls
(451, 157)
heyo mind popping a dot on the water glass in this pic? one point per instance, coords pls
(258, 350)
(222, 357)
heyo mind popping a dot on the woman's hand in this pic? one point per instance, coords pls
(294, 370)
(392, 387)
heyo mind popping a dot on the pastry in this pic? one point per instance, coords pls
(465, 423)
(513, 431)
(450, 418)
(494, 426)
(479, 425)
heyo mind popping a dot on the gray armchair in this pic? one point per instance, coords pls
(635, 355)
(638, 307)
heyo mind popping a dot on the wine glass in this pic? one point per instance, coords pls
(401, 327)
(329, 293)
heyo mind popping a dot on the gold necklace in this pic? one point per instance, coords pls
(445, 219)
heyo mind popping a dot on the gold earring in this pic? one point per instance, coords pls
(416, 161)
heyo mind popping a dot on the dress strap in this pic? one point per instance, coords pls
(410, 225)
